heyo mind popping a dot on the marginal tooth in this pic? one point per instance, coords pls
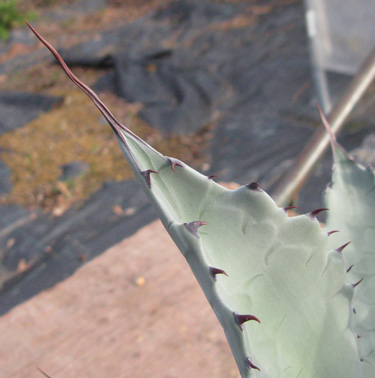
(349, 269)
(314, 213)
(340, 249)
(175, 163)
(240, 319)
(250, 364)
(212, 177)
(146, 176)
(215, 271)
(193, 227)
(332, 232)
(357, 283)
(254, 186)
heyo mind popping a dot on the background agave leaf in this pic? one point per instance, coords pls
(351, 200)
(278, 294)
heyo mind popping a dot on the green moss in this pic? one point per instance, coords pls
(11, 16)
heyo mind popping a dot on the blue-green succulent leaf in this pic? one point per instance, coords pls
(351, 200)
(277, 292)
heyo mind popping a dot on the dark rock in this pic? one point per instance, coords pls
(73, 170)
(5, 179)
(19, 108)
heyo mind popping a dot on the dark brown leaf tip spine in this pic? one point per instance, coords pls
(146, 176)
(175, 163)
(254, 186)
(340, 249)
(116, 126)
(215, 271)
(241, 319)
(313, 214)
(250, 364)
(193, 227)
(212, 177)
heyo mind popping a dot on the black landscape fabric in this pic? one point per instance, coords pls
(192, 61)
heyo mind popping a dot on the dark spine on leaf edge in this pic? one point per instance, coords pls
(175, 163)
(215, 271)
(212, 177)
(250, 364)
(241, 319)
(357, 283)
(350, 268)
(193, 227)
(340, 249)
(254, 186)
(332, 232)
(146, 175)
(313, 214)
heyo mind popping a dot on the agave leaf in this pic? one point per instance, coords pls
(351, 200)
(278, 294)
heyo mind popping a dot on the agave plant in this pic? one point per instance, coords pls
(293, 301)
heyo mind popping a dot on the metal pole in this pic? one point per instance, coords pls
(303, 166)
(318, 72)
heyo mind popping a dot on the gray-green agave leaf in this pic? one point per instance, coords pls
(276, 290)
(351, 200)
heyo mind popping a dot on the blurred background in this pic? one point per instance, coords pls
(228, 87)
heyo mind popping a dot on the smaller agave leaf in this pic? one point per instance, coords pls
(278, 294)
(351, 202)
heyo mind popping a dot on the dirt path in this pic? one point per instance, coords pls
(135, 311)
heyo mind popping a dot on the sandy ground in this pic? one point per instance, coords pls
(135, 311)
